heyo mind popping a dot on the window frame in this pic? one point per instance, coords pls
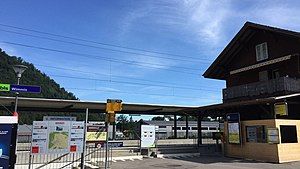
(260, 54)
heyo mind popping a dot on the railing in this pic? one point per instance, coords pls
(283, 85)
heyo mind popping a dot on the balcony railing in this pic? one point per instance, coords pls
(282, 85)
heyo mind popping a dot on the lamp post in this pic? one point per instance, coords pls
(19, 69)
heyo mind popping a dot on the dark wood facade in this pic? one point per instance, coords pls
(238, 64)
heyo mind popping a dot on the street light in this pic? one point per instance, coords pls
(19, 69)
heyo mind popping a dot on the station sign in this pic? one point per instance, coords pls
(19, 88)
(25, 89)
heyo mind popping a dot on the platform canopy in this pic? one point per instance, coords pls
(60, 105)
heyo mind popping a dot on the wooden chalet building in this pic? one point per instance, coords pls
(261, 66)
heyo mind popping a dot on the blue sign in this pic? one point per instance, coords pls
(5, 142)
(25, 88)
(233, 117)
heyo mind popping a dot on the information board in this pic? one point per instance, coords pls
(147, 136)
(57, 137)
(39, 137)
(77, 136)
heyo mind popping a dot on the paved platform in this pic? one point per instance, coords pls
(202, 162)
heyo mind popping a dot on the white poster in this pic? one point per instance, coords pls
(57, 137)
(77, 136)
(147, 136)
(39, 137)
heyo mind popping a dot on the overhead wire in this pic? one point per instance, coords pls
(97, 47)
(138, 93)
(99, 43)
(141, 64)
(132, 83)
(111, 75)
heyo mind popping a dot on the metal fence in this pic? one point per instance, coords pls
(94, 156)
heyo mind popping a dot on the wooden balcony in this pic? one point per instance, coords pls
(274, 87)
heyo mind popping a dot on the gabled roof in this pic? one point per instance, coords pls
(217, 68)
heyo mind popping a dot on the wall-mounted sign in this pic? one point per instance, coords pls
(7, 141)
(147, 136)
(273, 135)
(233, 126)
(281, 108)
(96, 132)
(96, 136)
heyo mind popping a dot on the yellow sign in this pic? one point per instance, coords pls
(113, 105)
(96, 136)
(281, 108)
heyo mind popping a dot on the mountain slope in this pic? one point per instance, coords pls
(32, 76)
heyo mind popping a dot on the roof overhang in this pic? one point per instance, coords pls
(220, 109)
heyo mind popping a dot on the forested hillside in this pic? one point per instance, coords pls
(32, 76)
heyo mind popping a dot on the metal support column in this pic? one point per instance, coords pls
(187, 126)
(114, 131)
(175, 126)
(106, 146)
(199, 119)
(82, 165)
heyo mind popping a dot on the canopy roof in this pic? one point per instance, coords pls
(60, 105)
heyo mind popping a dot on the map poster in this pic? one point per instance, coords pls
(39, 137)
(58, 136)
(234, 133)
(77, 136)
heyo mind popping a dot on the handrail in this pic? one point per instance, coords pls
(80, 157)
(58, 158)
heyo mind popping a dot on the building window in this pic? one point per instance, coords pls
(288, 134)
(178, 128)
(162, 127)
(204, 128)
(261, 51)
(194, 128)
(256, 134)
(212, 128)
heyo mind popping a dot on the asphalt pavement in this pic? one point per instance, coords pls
(200, 162)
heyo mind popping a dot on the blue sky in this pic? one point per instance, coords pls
(198, 30)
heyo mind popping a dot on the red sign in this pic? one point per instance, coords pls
(73, 148)
(35, 149)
